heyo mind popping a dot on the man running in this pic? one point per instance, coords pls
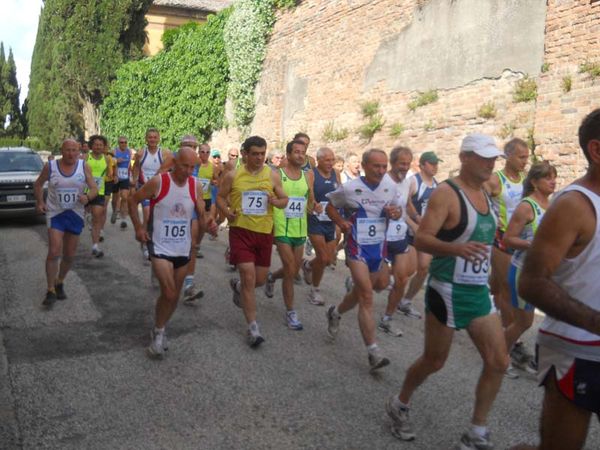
(424, 184)
(101, 168)
(247, 196)
(291, 227)
(121, 193)
(400, 254)
(146, 164)
(560, 276)
(207, 176)
(506, 189)
(174, 197)
(352, 168)
(67, 179)
(321, 230)
(458, 229)
(368, 203)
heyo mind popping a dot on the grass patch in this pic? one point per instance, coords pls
(374, 125)
(525, 90)
(567, 83)
(487, 110)
(591, 68)
(369, 109)
(333, 134)
(396, 129)
(422, 99)
(507, 130)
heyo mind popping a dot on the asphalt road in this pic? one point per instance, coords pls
(77, 376)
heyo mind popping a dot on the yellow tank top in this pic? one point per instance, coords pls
(205, 175)
(250, 200)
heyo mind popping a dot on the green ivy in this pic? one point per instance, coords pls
(179, 91)
(246, 35)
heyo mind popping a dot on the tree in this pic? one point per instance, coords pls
(3, 99)
(78, 49)
(12, 92)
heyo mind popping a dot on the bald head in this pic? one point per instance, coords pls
(69, 142)
(185, 152)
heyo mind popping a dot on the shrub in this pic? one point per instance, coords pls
(331, 134)
(396, 129)
(525, 90)
(591, 68)
(369, 108)
(422, 99)
(567, 83)
(374, 125)
(487, 110)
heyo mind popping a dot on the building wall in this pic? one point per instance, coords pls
(162, 18)
(327, 57)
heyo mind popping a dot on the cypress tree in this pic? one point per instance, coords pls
(3, 98)
(12, 92)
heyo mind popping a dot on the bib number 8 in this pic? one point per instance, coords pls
(372, 230)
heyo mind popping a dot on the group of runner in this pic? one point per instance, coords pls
(479, 226)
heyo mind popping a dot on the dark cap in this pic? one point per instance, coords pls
(429, 157)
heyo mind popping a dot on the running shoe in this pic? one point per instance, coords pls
(254, 337)
(190, 295)
(511, 373)
(307, 271)
(123, 225)
(377, 360)
(59, 288)
(349, 283)
(101, 235)
(333, 322)
(269, 286)
(156, 349)
(199, 254)
(387, 326)
(472, 441)
(401, 426)
(314, 298)
(113, 217)
(236, 295)
(532, 367)
(88, 221)
(145, 255)
(519, 355)
(50, 299)
(298, 279)
(97, 253)
(408, 310)
(292, 321)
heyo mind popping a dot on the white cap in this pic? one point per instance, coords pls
(481, 144)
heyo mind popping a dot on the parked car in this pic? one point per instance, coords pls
(19, 168)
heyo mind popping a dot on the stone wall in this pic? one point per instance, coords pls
(327, 57)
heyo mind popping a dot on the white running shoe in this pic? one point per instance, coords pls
(387, 326)
(408, 310)
(190, 295)
(307, 271)
(269, 286)
(333, 322)
(401, 427)
(314, 298)
(291, 318)
(472, 441)
(156, 348)
(254, 337)
(377, 360)
(236, 295)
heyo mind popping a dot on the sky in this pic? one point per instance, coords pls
(18, 28)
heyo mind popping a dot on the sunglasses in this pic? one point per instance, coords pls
(233, 156)
(203, 152)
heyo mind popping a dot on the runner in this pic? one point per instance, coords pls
(207, 176)
(291, 227)
(458, 229)
(506, 189)
(560, 276)
(247, 196)
(84, 150)
(537, 188)
(174, 198)
(123, 157)
(67, 179)
(400, 255)
(109, 186)
(368, 203)
(321, 230)
(146, 164)
(352, 169)
(101, 169)
(425, 183)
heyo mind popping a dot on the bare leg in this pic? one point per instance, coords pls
(70, 242)
(324, 255)
(416, 283)
(403, 267)
(438, 340)
(55, 243)
(487, 335)
(98, 218)
(499, 285)
(170, 281)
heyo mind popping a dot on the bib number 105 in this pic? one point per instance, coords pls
(174, 231)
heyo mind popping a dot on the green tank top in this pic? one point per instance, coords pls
(473, 226)
(98, 168)
(508, 200)
(291, 221)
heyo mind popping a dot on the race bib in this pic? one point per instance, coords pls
(173, 231)
(370, 231)
(295, 208)
(323, 217)
(396, 230)
(123, 173)
(254, 203)
(67, 197)
(205, 184)
(477, 272)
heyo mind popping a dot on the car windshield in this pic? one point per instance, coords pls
(20, 162)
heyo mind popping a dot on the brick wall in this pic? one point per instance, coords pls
(314, 75)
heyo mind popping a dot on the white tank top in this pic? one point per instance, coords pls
(396, 230)
(171, 214)
(579, 278)
(150, 164)
(64, 190)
